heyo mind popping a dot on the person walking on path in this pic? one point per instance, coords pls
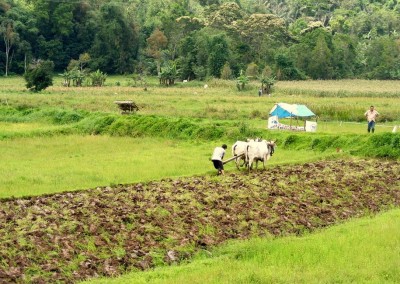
(371, 116)
(217, 157)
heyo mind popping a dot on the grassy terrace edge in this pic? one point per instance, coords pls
(383, 145)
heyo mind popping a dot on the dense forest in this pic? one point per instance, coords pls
(196, 39)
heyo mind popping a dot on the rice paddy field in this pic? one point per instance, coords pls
(331, 100)
(88, 193)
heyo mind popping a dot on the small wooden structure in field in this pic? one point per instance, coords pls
(127, 107)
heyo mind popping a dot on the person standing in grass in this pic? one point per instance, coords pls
(217, 157)
(371, 116)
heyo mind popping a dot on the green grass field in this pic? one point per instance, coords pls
(332, 100)
(35, 166)
(41, 155)
(38, 160)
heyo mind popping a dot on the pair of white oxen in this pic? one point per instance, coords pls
(253, 150)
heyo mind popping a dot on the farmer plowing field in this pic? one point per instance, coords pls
(217, 157)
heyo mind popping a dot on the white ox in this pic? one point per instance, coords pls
(259, 151)
(239, 150)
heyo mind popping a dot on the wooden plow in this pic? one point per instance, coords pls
(233, 158)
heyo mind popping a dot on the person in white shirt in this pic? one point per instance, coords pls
(217, 157)
(371, 115)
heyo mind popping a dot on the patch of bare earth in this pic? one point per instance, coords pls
(107, 231)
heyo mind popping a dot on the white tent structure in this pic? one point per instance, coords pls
(284, 110)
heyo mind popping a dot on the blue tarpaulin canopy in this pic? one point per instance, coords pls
(283, 110)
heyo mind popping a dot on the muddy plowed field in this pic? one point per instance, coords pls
(111, 230)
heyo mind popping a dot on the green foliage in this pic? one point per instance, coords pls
(325, 40)
(266, 84)
(383, 59)
(321, 65)
(66, 117)
(252, 71)
(241, 81)
(298, 26)
(67, 78)
(200, 72)
(169, 73)
(54, 24)
(39, 75)
(291, 140)
(218, 55)
(187, 60)
(115, 44)
(75, 75)
(157, 42)
(98, 78)
(385, 145)
(226, 72)
(161, 127)
(314, 54)
(140, 79)
(225, 14)
(344, 56)
(95, 125)
(286, 69)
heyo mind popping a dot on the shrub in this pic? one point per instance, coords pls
(290, 140)
(241, 81)
(39, 75)
(385, 145)
(200, 72)
(98, 78)
(96, 124)
(169, 73)
(286, 69)
(252, 71)
(65, 117)
(226, 72)
(266, 84)
(255, 114)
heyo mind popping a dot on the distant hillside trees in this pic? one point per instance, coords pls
(319, 39)
(115, 44)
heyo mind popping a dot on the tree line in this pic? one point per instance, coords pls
(196, 39)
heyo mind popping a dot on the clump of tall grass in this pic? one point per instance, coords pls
(49, 115)
(95, 124)
(382, 145)
(385, 145)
